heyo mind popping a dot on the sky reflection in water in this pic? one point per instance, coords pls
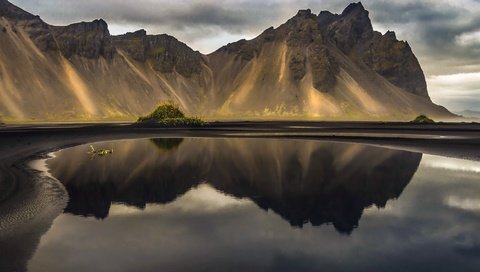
(262, 205)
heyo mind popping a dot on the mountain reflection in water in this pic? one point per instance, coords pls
(302, 181)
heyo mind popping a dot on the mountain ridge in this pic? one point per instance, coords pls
(325, 66)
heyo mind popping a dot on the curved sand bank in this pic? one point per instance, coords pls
(450, 139)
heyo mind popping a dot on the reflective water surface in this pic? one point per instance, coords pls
(261, 205)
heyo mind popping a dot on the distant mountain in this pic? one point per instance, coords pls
(469, 113)
(326, 66)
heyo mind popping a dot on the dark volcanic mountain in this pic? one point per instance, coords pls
(328, 66)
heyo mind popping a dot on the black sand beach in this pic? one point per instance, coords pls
(459, 140)
(30, 201)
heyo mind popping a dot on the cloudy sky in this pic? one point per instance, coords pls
(444, 34)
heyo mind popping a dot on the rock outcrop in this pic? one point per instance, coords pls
(326, 66)
(395, 61)
(90, 40)
(164, 52)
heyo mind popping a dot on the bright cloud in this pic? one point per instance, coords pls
(458, 91)
(471, 38)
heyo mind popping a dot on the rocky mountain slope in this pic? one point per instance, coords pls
(326, 66)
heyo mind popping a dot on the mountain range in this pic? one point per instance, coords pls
(323, 66)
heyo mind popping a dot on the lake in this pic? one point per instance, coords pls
(200, 204)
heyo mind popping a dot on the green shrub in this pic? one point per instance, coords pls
(181, 122)
(423, 119)
(169, 115)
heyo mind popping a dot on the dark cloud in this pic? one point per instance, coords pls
(432, 27)
(179, 18)
(399, 12)
(176, 15)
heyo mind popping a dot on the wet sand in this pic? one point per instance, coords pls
(459, 140)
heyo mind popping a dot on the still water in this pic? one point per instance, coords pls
(259, 205)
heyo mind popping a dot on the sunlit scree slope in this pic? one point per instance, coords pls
(326, 66)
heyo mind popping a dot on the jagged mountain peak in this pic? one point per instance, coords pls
(356, 15)
(165, 53)
(97, 22)
(86, 39)
(140, 32)
(94, 25)
(304, 13)
(352, 11)
(354, 8)
(390, 35)
(313, 46)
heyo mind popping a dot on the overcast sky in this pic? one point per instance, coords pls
(444, 34)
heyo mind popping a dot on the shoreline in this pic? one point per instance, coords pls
(20, 145)
(460, 140)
